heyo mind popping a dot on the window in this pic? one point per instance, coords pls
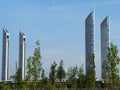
(7, 36)
(23, 39)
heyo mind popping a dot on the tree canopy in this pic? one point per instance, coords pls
(110, 66)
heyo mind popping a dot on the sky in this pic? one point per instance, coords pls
(60, 27)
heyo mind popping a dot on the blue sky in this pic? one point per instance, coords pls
(59, 25)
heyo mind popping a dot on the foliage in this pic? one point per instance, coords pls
(34, 65)
(90, 75)
(76, 78)
(18, 76)
(52, 75)
(18, 80)
(4, 86)
(43, 74)
(110, 66)
(81, 78)
(60, 71)
(29, 72)
(48, 86)
(29, 67)
(44, 78)
(72, 76)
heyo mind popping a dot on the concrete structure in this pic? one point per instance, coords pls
(89, 38)
(22, 53)
(104, 40)
(5, 55)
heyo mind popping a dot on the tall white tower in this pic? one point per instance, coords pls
(104, 41)
(5, 55)
(22, 53)
(89, 38)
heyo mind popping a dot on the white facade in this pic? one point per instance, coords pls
(89, 38)
(22, 53)
(104, 41)
(5, 55)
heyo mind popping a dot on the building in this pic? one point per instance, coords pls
(89, 38)
(104, 41)
(22, 53)
(5, 55)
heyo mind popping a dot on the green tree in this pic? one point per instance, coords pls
(52, 75)
(60, 71)
(110, 66)
(44, 78)
(18, 76)
(34, 65)
(18, 79)
(43, 74)
(29, 72)
(90, 75)
(72, 76)
(81, 78)
(4, 86)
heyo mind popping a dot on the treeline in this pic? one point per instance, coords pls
(73, 78)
